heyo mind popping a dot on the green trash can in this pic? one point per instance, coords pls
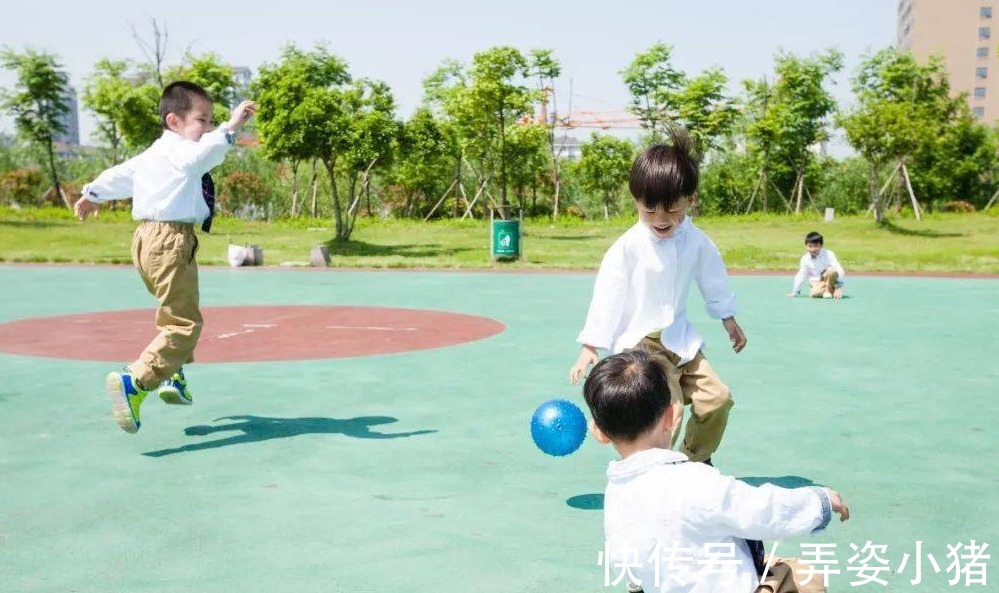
(505, 239)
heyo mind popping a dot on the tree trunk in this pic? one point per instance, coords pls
(54, 176)
(314, 187)
(872, 185)
(294, 187)
(799, 184)
(335, 194)
(503, 163)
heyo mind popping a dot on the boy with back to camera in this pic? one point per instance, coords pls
(657, 500)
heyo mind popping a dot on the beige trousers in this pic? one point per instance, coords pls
(825, 284)
(163, 252)
(695, 384)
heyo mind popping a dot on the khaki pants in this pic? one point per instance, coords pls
(825, 284)
(163, 252)
(695, 384)
(779, 580)
(784, 576)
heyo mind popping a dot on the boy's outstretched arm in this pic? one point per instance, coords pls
(769, 511)
(112, 184)
(209, 152)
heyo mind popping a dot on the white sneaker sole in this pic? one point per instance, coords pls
(119, 404)
(172, 396)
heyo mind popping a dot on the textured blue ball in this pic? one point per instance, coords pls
(558, 427)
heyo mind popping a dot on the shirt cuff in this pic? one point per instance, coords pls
(722, 309)
(230, 137)
(826, 503)
(91, 195)
(589, 339)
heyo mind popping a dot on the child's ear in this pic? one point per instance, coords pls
(598, 434)
(172, 121)
(693, 198)
(672, 418)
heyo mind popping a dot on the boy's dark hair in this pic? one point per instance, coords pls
(664, 173)
(627, 394)
(177, 98)
(813, 237)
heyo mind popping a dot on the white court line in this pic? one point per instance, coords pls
(373, 328)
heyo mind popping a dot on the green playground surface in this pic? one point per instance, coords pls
(415, 472)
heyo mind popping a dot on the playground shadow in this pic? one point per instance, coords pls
(586, 502)
(360, 248)
(897, 230)
(595, 501)
(782, 481)
(253, 429)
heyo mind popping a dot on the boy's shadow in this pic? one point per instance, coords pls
(595, 501)
(261, 428)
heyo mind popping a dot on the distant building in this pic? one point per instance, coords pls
(961, 32)
(70, 121)
(568, 147)
(241, 77)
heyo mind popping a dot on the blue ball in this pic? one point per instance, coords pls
(558, 427)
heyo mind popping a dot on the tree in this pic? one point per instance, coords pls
(373, 136)
(662, 96)
(287, 131)
(212, 74)
(604, 167)
(903, 107)
(546, 68)
(38, 102)
(484, 104)
(310, 108)
(653, 82)
(426, 161)
(789, 117)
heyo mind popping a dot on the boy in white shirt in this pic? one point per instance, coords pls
(682, 526)
(640, 294)
(821, 269)
(171, 192)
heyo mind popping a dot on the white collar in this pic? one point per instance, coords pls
(642, 461)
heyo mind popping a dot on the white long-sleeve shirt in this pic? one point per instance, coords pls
(643, 285)
(676, 522)
(811, 268)
(164, 181)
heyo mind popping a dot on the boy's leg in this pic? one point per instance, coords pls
(667, 360)
(710, 404)
(830, 277)
(164, 254)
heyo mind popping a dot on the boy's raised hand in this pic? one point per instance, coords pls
(84, 208)
(588, 356)
(240, 115)
(735, 334)
(838, 506)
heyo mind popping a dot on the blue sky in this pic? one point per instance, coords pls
(401, 42)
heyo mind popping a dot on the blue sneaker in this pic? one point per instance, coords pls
(174, 390)
(126, 398)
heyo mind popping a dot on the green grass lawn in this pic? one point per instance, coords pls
(964, 243)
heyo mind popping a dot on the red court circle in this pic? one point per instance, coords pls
(250, 334)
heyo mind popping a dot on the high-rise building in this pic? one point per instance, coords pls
(70, 120)
(961, 31)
